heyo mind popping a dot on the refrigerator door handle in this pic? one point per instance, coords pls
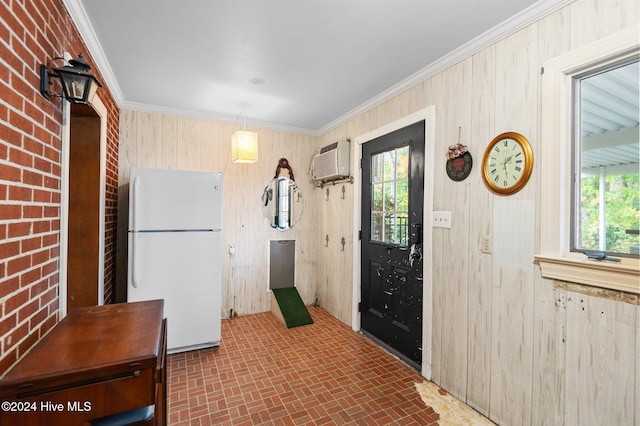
(134, 269)
(134, 228)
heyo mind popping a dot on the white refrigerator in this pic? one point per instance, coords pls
(175, 251)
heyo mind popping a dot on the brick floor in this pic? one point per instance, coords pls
(318, 374)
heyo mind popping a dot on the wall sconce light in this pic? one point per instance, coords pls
(244, 144)
(78, 84)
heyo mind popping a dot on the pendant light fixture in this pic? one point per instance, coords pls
(244, 145)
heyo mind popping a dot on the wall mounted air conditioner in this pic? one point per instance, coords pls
(331, 162)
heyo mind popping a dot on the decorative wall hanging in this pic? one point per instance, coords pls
(459, 161)
(284, 169)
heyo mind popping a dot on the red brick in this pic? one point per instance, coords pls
(20, 157)
(7, 323)
(16, 301)
(18, 265)
(10, 285)
(40, 257)
(51, 211)
(48, 296)
(32, 212)
(8, 134)
(40, 196)
(52, 183)
(42, 165)
(30, 244)
(10, 211)
(32, 178)
(9, 249)
(38, 318)
(49, 240)
(19, 229)
(10, 172)
(28, 310)
(50, 268)
(32, 145)
(20, 193)
(8, 56)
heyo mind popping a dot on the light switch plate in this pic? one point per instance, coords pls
(442, 220)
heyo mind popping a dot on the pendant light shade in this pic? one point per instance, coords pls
(244, 147)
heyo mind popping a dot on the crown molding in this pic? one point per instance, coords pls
(218, 118)
(81, 20)
(528, 16)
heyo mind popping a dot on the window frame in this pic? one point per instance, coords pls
(555, 258)
(576, 150)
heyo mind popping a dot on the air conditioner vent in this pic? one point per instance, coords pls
(331, 162)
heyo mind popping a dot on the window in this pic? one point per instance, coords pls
(584, 157)
(390, 197)
(606, 193)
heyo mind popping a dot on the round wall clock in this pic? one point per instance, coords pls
(507, 163)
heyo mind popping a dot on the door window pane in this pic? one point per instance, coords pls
(390, 198)
(607, 193)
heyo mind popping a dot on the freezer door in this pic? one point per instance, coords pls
(174, 200)
(183, 268)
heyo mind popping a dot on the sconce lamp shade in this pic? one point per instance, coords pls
(244, 147)
(79, 86)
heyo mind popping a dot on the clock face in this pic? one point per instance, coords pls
(507, 163)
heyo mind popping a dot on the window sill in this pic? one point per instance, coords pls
(614, 276)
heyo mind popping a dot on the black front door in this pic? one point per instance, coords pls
(391, 270)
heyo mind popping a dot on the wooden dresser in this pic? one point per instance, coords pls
(96, 362)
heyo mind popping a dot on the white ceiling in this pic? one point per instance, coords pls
(316, 63)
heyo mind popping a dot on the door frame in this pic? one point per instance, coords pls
(428, 116)
(101, 111)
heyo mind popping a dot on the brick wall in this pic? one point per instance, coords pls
(31, 33)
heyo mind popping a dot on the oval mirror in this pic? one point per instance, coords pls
(282, 203)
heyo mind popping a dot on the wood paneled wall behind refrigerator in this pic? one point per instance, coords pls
(170, 142)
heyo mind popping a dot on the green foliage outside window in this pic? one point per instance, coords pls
(622, 213)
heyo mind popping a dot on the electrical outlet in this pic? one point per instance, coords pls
(486, 245)
(442, 220)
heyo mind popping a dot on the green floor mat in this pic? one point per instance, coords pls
(293, 310)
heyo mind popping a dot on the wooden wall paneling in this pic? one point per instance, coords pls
(189, 144)
(549, 352)
(440, 282)
(210, 145)
(480, 224)
(169, 142)
(345, 252)
(335, 230)
(513, 238)
(601, 337)
(455, 295)
(597, 19)
(149, 140)
(549, 333)
(127, 150)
